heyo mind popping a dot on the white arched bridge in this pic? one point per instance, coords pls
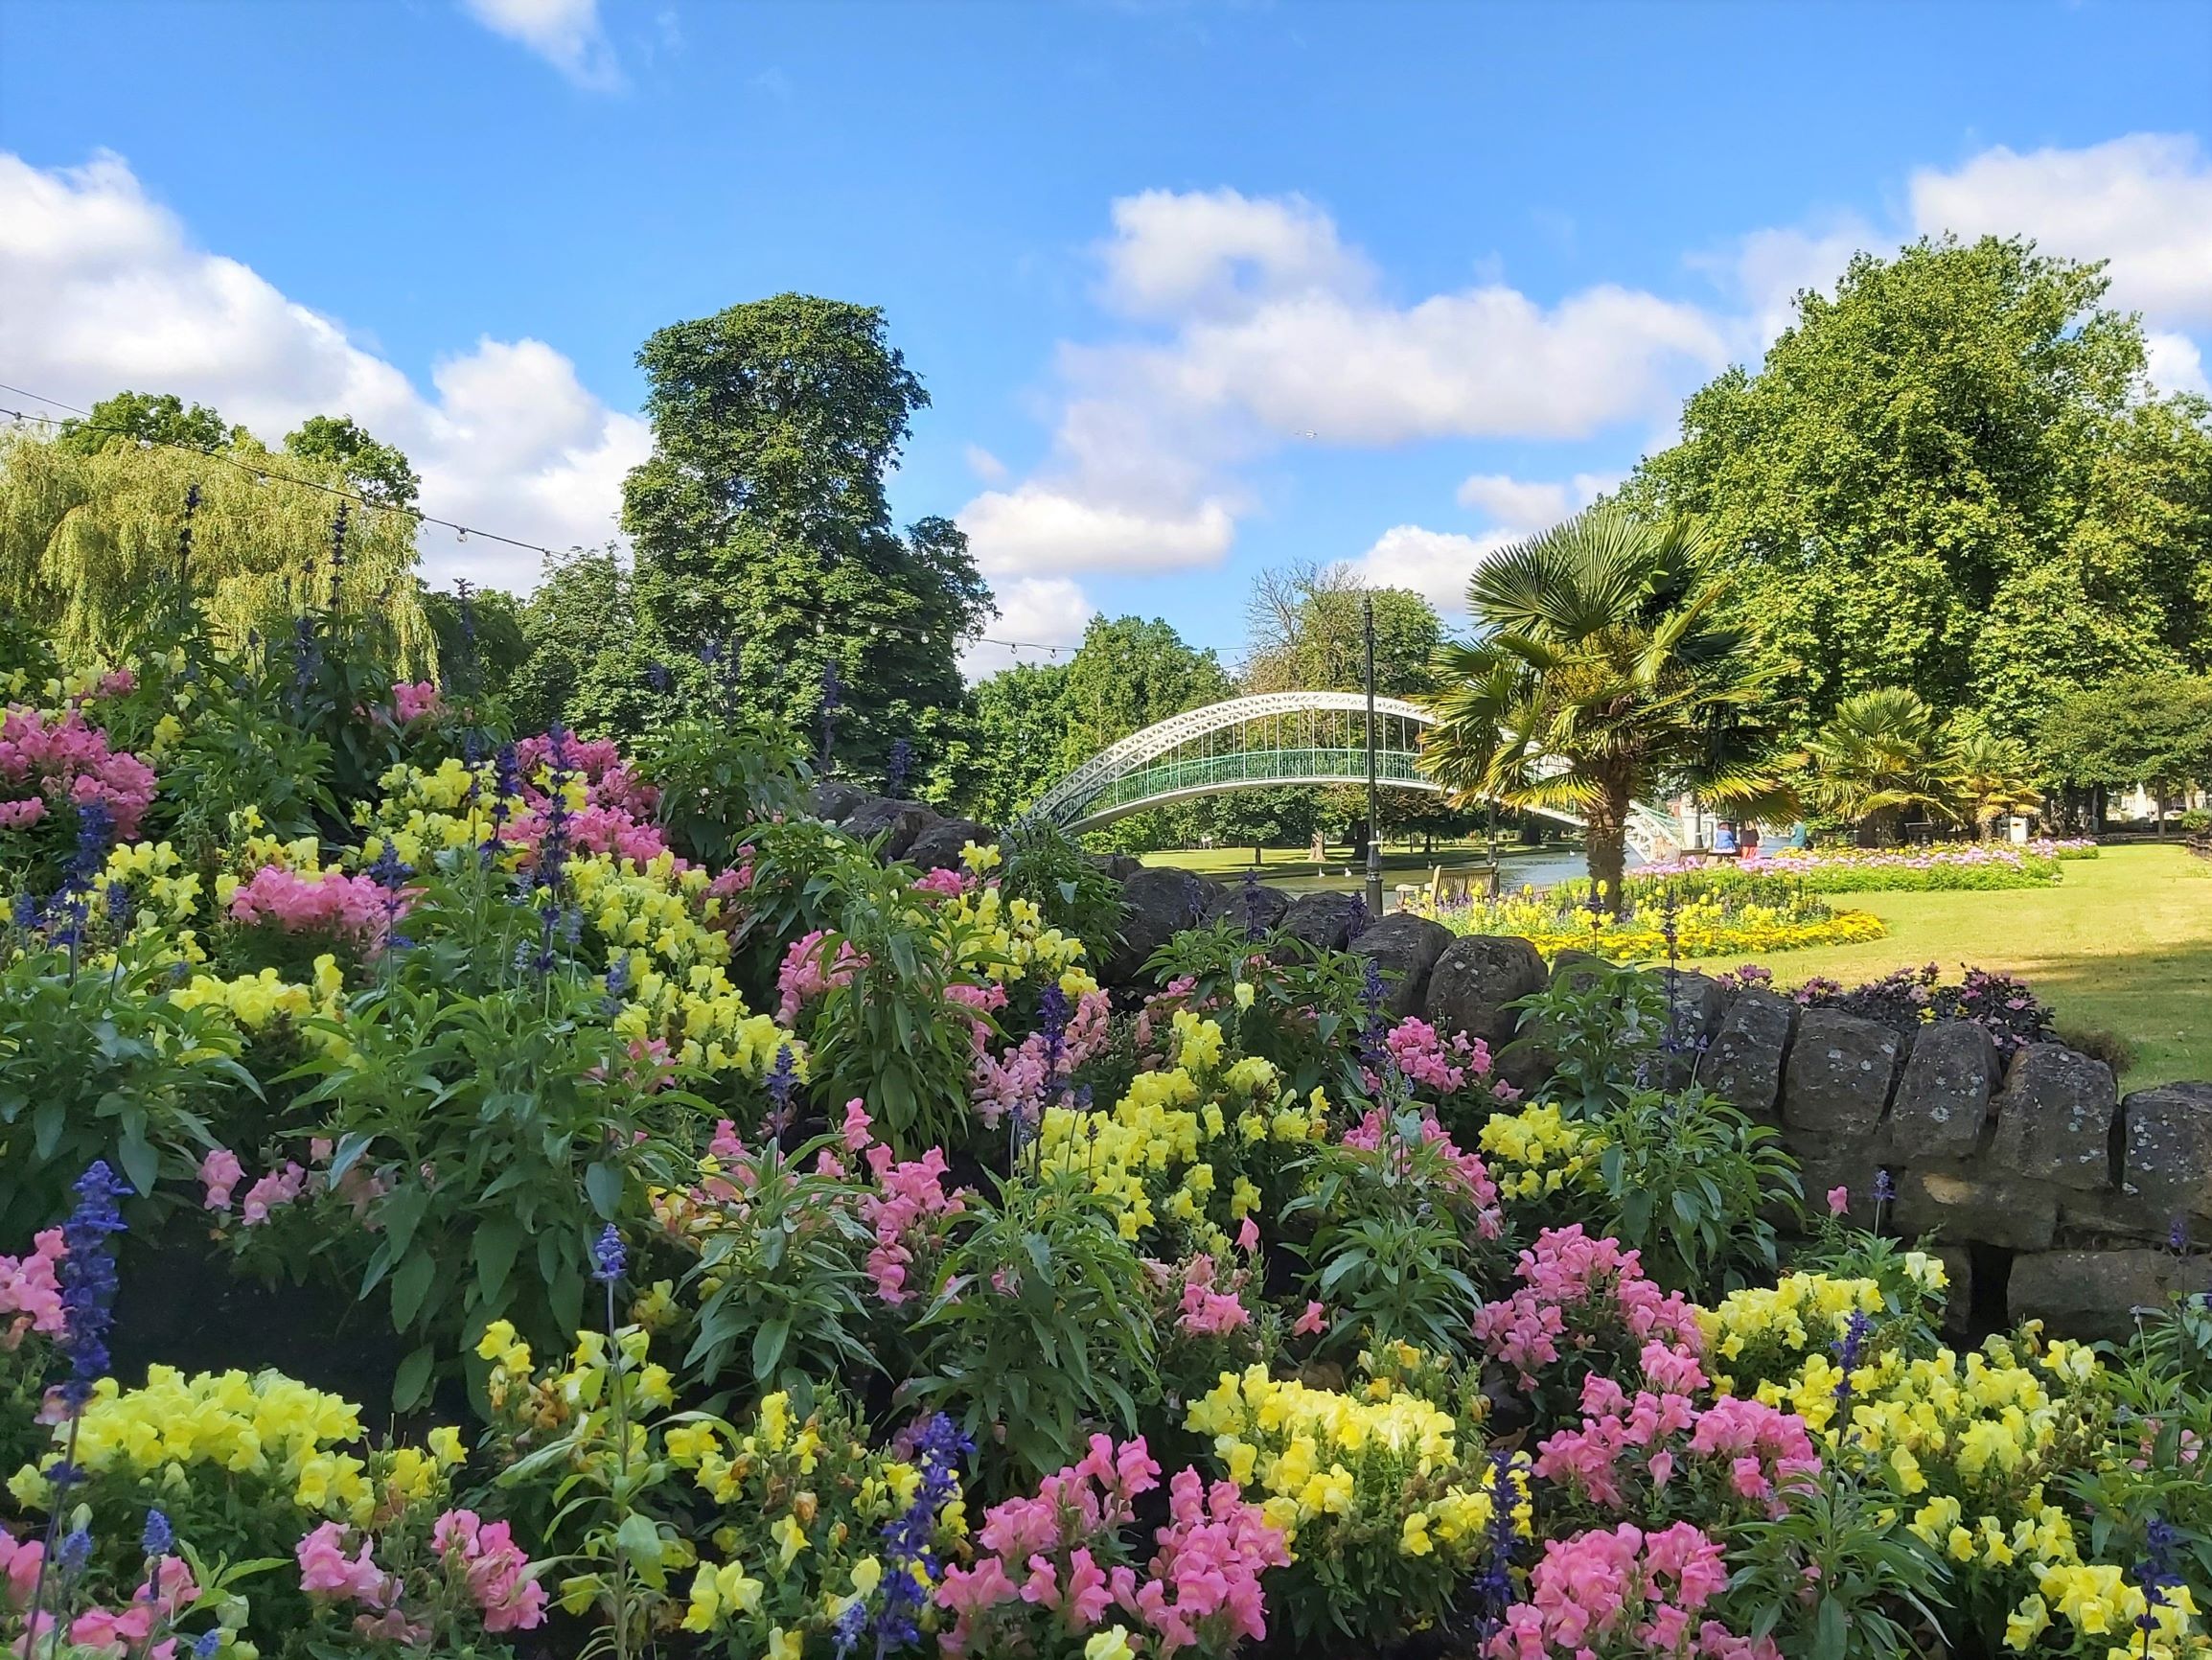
(1271, 740)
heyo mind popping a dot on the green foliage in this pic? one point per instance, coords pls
(780, 1278)
(1021, 723)
(479, 649)
(1600, 1029)
(1692, 1182)
(583, 614)
(101, 1065)
(1602, 673)
(1302, 1008)
(1045, 865)
(718, 778)
(1308, 632)
(1044, 1327)
(90, 543)
(379, 471)
(2154, 730)
(1949, 477)
(505, 1130)
(148, 418)
(762, 529)
(1877, 1580)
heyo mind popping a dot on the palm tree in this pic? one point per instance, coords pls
(1599, 675)
(1883, 754)
(1995, 778)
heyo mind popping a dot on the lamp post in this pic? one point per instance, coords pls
(1374, 898)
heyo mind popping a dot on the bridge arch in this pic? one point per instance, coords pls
(1303, 738)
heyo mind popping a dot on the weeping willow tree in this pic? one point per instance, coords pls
(90, 549)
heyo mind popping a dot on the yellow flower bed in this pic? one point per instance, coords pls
(1703, 928)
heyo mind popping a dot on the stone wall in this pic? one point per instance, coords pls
(2051, 1197)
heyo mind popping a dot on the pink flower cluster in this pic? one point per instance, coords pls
(945, 884)
(327, 1572)
(418, 702)
(1466, 1173)
(1442, 1065)
(1017, 1081)
(618, 804)
(803, 976)
(1207, 1310)
(1755, 1451)
(494, 1569)
(908, 1213)
(317, 902)
(221, 1172)
(164, 1595)
(67, 762)
(31, 1290)
(1609, 1596)
(1585, 1298)
(1200, 1591)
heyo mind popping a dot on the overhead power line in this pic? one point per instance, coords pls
(262, 474)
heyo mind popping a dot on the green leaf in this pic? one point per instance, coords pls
(1831, 1631)
(494, 1249)
(603, 1185)
(768, 1347)
(140, 1162)
(411, 1383)
(410, 1285)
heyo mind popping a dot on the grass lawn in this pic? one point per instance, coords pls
(2123, 945)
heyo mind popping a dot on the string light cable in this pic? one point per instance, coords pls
(263, 475)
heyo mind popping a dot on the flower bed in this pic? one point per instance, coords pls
(1701, 913)
(784, 1253)
(1939, 865)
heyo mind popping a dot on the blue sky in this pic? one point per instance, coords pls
(1195, 288)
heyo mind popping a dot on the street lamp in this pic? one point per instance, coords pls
(1374, 898)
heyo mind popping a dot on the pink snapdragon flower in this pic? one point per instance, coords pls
(908, 1212)
(221, 1173)
(328, 1573)
(497, 1572)
(1583, 1298)
(804, 976)
(31, 1290)
(418, 701)
(67, 762)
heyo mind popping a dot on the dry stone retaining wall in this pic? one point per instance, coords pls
(2050, 1196)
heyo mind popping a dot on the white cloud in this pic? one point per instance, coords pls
(1048, 611)
(1434, 563)
(565, 32)
(1764, 273)
(1515, 501)
(1036, 529)
(2143, 201)
(1257, 324)
(985, 465)
(2176, 365)
(100, 289)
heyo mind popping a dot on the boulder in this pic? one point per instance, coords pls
(939, 847)
(1120, 866)
(2095, 1293)
(1405, 947)
(900, 823)
(833, 800)
(1836, 1083)
(1698, 1001)
(2114, 1214)
(1156, 903)
(1326, 921)
(1576, 970)
(1742, 1065)
(1249, 905)
(1962, 1205)
(1474, 980)
(1942, 1100)
(2054, 1118)
(2166, 1167)
(1852, 1165)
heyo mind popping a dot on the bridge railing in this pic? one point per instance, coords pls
(1253, 767)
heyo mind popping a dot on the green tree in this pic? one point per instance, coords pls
(1130, 673)
(1950, 479)
(147, 417)
(2149, 729)
(480, 643)
(1021, 726)
(1882, 755)
(1600, 674)
(1308, 633)
(583, 616)
(379, 471)
(1996, 777)
(761, 532)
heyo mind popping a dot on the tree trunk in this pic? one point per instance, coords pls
(1607, 853)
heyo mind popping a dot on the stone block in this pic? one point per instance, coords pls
(1475, 979)
(900, 823)
(833, 800)
(1965, 1205)
(2054, 1118)
(939, 847)
(2166, 1161)
(1958, 1291)
(1837, 1084)
(1823, 1165)
(1577, 969)
(1744, 1063)
(1156, 904)
(1697, 1002)
(1405, 948)
(2096, 1293)
(1942, 1100)
(2089, 1219)
(1249, 906)
(1326, 921)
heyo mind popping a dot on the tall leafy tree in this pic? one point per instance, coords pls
(379, 471)
(1953, 479)
(2149, 729)
(481, 639)
(1308, 633)
(1021, 726)
(1602, 673)
(152, 417)
(763, 533)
